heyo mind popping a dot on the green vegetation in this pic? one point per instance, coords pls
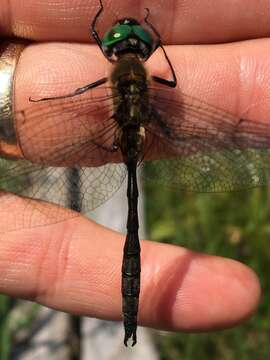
(235, 225)
(5, 335)
(13, 320)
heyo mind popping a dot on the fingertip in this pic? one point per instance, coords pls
(198, 292)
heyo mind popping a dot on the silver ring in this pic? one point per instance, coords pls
(10, 52)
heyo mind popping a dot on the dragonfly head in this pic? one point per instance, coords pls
(127, 36)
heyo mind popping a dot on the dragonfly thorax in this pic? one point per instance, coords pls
(127, 71)
(130, 87)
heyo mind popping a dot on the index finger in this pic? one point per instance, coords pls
(195, 21)
(75, 268)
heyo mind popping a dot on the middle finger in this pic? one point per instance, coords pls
(193, 21)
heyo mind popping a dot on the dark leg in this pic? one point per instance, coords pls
(115, 144)
(111, 149)
(95, 33)
(170, 83)
(78, 91)
(93, 27)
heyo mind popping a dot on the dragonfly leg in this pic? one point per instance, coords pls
(95, 33)
(117, 139)
(110, 149)
(93, 27)
(169, 83)
(159, 44)
(78, 91)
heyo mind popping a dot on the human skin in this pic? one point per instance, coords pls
(75, 265)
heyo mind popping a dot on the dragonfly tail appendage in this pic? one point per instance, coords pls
(131, 286)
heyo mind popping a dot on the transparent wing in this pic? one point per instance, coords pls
(67, 144)
(204, 148)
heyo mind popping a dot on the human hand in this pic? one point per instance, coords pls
(67, 260)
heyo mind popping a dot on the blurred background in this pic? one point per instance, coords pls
(234, 225)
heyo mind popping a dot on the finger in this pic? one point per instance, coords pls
(232, 77)
(75, 266)
(190, 21)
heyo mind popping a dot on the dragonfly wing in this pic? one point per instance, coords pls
(67, 145)
(204, 148)
(88, 189)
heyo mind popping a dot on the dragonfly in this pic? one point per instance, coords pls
(105, 131)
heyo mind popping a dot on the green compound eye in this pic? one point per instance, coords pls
(116, 34)
(142, 34)
(121, 32)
